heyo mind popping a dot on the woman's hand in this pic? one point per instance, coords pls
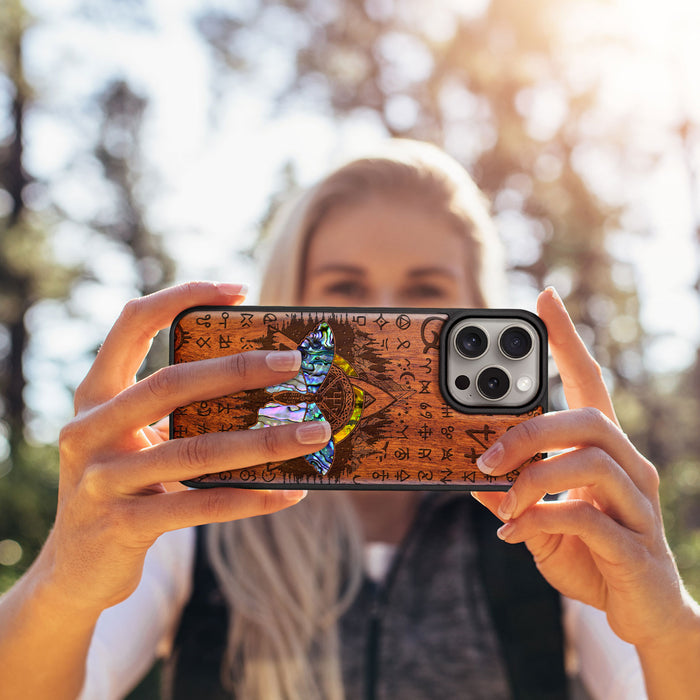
(603, 543)
(112, 503)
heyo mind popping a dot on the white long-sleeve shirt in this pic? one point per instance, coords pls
(131, 635)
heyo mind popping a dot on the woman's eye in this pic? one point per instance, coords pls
(426, 291)
(347, 289)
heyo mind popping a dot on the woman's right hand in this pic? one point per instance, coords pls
(112, 504)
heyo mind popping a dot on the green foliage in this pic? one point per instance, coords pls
(28, 492)
(680, 491)
(661, 419)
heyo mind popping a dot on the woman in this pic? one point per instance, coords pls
(292, 582)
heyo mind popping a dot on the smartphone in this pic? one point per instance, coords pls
(413, 396)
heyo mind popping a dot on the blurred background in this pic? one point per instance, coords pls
(144, 142)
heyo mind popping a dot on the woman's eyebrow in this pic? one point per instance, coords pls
(436, 270)
(342, 268)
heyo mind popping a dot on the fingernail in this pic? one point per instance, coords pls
(504, 531)
(232, 290)
(283, 360)
(507, 507)
(488, 461)
(555, 295)
(311, 433)
(295, 496)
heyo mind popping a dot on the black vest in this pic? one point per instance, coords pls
(524, 611)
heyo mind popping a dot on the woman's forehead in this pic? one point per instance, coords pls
(386, 231)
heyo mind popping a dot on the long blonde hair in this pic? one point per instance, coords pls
(288, 577)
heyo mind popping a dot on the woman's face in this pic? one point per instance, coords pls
(386, 252)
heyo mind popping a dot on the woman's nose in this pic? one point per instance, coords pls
(387, 297)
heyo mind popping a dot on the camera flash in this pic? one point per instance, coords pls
(524, 383)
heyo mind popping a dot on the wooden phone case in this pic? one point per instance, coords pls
(374, 374)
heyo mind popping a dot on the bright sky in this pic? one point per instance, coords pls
(214, 176)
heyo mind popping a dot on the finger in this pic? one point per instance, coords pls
(561, 431)
(130, 338)
(580, 374)
(172, 511)
(187, 458)
(490, 499)
(543, 545)
(178, 385)
(588, 468)
(160, 430)
(606, 538)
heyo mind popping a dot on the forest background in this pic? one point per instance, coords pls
(148, 142)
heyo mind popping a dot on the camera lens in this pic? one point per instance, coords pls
(471, 342)
(515, 342)
(493, 383)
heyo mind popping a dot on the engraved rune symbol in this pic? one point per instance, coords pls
(473, 455)
(182, 337)
(485, 432)
(381, 321)
(430, 338)
(446, 474)
(403, 322)
(425, 431)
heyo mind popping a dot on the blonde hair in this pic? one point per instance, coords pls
(288, 577)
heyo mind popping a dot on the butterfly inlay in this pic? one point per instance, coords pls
(320, 391)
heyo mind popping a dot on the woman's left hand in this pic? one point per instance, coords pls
(603, 543)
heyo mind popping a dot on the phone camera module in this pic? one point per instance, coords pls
(471, 342)
(515, 342)
(493, 383)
